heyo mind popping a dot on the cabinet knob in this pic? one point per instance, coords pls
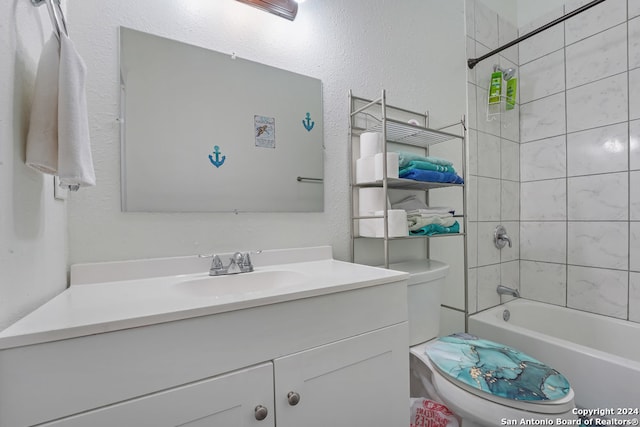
(261, 412)
(293, 398)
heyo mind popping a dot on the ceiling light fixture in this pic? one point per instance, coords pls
(285, 8)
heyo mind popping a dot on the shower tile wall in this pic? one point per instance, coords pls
(580, 160)
(494, 167)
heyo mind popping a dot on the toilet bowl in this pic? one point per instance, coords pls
(479, 393)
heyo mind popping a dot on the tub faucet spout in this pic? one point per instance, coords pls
(505, 290)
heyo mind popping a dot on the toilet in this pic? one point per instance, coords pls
(482, 382)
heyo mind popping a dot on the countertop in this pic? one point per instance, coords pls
(95, 308)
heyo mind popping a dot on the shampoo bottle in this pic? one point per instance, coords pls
(495, 90)
(512, 85)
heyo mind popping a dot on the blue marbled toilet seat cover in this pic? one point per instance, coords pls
(496, 369)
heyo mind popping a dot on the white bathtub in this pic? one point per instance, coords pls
(599, 355)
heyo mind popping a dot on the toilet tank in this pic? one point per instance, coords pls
(424, 294)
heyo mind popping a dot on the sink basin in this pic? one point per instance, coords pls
(256, 281)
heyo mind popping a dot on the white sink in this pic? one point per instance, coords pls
(242, 283)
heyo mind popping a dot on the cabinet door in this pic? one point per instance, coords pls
(224, 401)
(360, 381)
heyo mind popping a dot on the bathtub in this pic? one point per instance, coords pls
(599, 355)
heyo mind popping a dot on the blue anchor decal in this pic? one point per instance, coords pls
(218, 161)
(307, 123)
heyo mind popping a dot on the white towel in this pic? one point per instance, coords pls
(431, 211)
(429, 215)
(42, 139)
(415, 223)
(75, 165)
(58, 140)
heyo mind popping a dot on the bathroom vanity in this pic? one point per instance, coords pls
(304, 340)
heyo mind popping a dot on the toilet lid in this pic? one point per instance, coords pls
(496, 369)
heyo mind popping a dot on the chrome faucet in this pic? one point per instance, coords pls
(505, 290)
(500, 237)
(238, 263)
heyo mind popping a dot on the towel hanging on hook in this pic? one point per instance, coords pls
(58, 141)
(58, 23)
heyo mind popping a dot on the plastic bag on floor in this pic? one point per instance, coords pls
(427, 413)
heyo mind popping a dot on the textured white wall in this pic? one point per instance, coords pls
(33, 226)
(414, 48)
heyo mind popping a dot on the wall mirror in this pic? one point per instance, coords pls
(203, 131)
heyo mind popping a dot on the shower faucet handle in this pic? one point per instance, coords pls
(500, 237)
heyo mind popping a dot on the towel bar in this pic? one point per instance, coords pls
(304, 178)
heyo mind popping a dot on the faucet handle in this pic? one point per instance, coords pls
(246, 264)
(216, 264)
(500, 237)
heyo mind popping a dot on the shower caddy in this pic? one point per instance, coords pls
(392, 122)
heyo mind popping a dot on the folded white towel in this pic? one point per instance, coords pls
(416, 223)
(425, 215)
(75, 164)
(42, 139)
(431, 211)
(58, 140)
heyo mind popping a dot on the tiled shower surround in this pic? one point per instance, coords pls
(580, 160)
(494, 167)
(579, 168)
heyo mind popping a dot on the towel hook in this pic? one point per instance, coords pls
(60, 24)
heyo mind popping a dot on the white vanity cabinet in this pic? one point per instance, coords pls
(341, 355)
(354, 381)
(243, 399)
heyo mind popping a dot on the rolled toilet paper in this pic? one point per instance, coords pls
(375, 227)
(370, 144)
(365, 170)
(371, 200)
(392, 165)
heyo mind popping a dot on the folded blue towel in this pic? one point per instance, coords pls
(431, 176)
(428, 166)
(404, 158)
(431, 229)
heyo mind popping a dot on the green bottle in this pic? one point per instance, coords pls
(495, 90)
(512, 85)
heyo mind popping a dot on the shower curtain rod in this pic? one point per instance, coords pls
(471, 62)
